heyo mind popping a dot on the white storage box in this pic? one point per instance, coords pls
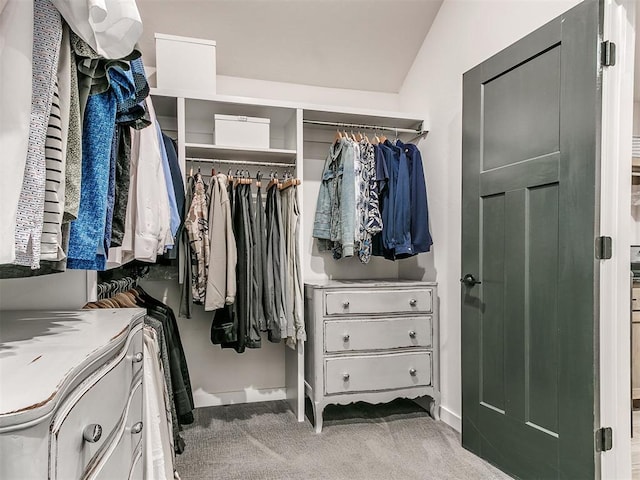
(237, 131)
(185, 63)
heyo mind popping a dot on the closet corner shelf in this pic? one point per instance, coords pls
(208, 151)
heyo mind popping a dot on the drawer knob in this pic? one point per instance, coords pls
(92, 433)
(412, 334)
(413, 372)
(345, 377)
(346, 337)
(413, 302)
(137, 358)
(345, 304)
(137, 428)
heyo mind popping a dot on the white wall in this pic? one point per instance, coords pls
(292, 92)
(464, 34)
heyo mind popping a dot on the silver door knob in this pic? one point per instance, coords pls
(413, 302)
(345, 377)
(346, 337)
(345, 304)
(412, 334)
(137, 358)
(137, 428)
(92, 433)
(413, 372)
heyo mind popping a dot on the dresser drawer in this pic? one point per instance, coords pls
(376, 334)
(372, 373)
(118, 461)
(378, 301)
(101, 402)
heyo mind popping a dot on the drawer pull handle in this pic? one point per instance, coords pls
(92, 433)
(412, 334)
(137, 358)
(137, 428)
(413, 372)
(346, 337)
(345, 377)
(345, 304)
(413, 302)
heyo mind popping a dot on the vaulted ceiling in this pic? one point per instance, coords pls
(353, 44)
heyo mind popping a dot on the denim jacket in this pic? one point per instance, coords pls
(335, 209)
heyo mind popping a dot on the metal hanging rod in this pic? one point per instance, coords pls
(415, 131)
(241, 162)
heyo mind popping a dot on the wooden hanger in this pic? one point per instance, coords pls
(359, 137)
(337, 137)
(273, 181)
(289, 183)
(382, 139)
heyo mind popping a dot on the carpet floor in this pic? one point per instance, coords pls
(263, 441)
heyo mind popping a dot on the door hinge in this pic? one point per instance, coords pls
(604, 439)
(603, 248)
(608, 54)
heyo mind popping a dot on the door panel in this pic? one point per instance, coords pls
(541, 326)
(524, 96)
(531, 117)
(493, 236)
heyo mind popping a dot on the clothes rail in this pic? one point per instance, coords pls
(416, 131)
(240, 162)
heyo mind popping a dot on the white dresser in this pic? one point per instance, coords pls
(71, 394)
(371, 341)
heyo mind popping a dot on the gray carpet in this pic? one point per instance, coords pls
(263, 441)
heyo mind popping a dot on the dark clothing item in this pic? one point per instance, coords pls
(400, 239)
(180, 380)
(223, 328)
(275, 316)
(253, 324)
(111, 194)
(176, 175)
(241, 307)
(178, 188)
(421, 240)
(185, 296)
(123, 176)
(261, 262)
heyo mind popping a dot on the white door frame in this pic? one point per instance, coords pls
(615, 215)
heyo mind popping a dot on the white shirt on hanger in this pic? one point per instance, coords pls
(16, 52)
(111, 27)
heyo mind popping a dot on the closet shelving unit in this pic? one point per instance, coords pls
(189, 117)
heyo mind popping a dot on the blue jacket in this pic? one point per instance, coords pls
(335, 210)
(421, 240)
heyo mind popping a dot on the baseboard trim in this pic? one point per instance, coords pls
(250, 395)
(450, 418)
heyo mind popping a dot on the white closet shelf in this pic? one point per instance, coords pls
(208, 151)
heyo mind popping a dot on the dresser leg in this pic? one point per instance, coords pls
(434, 409)
(318, 409)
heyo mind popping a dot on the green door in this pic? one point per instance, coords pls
(531, 125)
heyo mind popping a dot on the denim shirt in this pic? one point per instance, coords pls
(335, 210)
(327, 194)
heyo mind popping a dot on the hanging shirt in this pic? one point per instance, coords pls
(420, 235)
(51, 242)
(47, 31)
(16, 53)
(110, 27)
(197, 226)
(221, 277)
